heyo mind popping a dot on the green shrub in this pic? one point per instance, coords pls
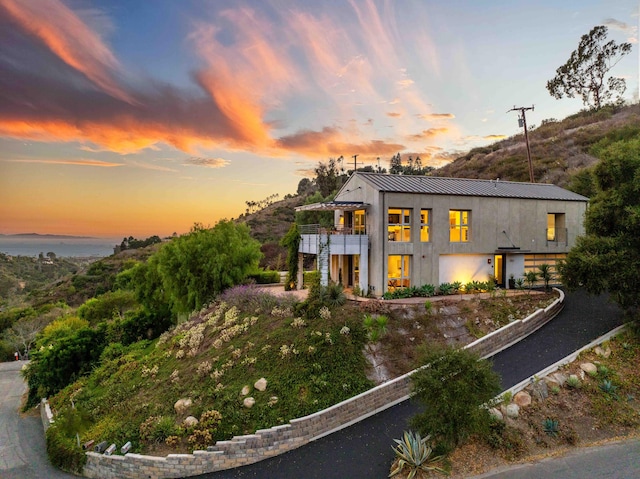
(64, 452)
(311, 277)
(265, 277)
(573, 382)
(452, 390)
(426, 290)
(445, 289)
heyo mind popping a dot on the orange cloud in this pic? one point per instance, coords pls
(70, 39)
(428, 134)
(251, 69)
(394, 114)
(331, 142)
(78, 162)
(207, 162)
(436, 116)
(494, 137)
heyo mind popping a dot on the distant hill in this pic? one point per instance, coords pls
(44, 236)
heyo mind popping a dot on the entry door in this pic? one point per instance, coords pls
(499, 269)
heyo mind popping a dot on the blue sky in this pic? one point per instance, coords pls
(135, 117)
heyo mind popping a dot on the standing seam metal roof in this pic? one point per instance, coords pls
(434, 185)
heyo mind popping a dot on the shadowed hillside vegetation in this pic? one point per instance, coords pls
(559, 149)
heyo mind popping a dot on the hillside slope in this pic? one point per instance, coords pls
(559, 149)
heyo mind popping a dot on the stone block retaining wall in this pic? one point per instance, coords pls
(243, 450)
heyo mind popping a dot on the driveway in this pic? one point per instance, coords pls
(364, 450)
(22, 445)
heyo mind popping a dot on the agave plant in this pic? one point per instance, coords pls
(415, 453)
(609, 388)
(551, 426)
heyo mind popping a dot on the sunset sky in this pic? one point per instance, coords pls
(132, 117)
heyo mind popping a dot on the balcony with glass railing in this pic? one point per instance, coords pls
(337, 239)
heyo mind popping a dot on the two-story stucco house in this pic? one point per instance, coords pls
(397, 231)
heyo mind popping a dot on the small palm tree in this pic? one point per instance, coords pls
(530, 277)
(545, 274)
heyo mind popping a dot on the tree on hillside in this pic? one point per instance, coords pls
(22, 335)
(195, 267)
(585, 72)
(395, 164)
(607, 258)
(327, 177)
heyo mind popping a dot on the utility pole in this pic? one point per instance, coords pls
(355, 163)
(522, 120)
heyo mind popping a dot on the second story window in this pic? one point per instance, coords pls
(459, 226)
(425, 220)
(399, 228)
(551, 227)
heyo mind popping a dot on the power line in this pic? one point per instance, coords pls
(522, 120)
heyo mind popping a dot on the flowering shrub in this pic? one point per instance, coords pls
(345, 330)
(285, 351)
(204, 368)
(231, 316)
(175, 376)
(325, 313)
(149, 372)
(298, 323)
(279, 312)
(249, 360)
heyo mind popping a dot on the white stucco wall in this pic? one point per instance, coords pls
(465, 268)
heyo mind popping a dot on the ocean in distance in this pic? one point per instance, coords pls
(61, 246)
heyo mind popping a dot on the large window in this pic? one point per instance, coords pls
(359, 222)
(551, 227)
(556, 230)
(399, 228)
(459, 226)
(398, 271)
(425, 219)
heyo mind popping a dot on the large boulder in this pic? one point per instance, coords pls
(512, 410)
(496, 414)
(261, 384)
(561, 378)
(540, 389)
(245, 390)
(604, 352)
(522, 398)
(248, 402)
(182, 406)
(190, 421)
(589, 368)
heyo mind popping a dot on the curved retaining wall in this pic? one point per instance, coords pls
(242, 450)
